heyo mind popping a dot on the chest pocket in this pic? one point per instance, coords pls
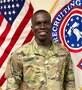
(57, 67)
(32, 67)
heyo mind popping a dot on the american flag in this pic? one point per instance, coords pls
(15, 29)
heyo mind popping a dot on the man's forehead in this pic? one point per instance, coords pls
(41, 16)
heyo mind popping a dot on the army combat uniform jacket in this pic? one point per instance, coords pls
(33, 67)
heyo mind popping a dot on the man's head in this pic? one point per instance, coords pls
(41, 25)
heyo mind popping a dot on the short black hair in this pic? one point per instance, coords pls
(40, 11)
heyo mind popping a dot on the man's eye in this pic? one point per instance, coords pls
(38, 23)
(46, 22)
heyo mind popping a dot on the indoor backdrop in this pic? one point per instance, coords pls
(15, 29)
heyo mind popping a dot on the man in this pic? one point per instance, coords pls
(41, 64)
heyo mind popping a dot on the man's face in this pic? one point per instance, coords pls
(41, 26)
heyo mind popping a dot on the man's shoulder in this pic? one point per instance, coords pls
(24, 48)
(60, 48)
(56, 44)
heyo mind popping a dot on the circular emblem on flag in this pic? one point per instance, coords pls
(70, 30)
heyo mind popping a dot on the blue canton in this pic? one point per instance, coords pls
(10, 9)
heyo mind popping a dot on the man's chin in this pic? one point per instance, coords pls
(42, 39)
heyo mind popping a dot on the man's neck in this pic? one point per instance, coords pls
(44, 43)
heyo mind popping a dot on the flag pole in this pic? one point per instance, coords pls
(51, 10)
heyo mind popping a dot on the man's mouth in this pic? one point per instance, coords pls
(42, 32)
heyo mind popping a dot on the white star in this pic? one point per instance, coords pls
(67, 41)
(13, 12)
(72, 19)
(10, 19)
(9, 6)
(66, 30)
(78, 45)
(5, 13)
(13, 6)
(9, 12)
(1, 1)
(4, 1)
(77, 18)
(72, 45)
(12, 0)
(8, 0)
(68, 24)
(4, 6)
(17, 5)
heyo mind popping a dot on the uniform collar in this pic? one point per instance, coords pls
(40, 50)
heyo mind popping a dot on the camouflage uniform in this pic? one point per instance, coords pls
(33, 67)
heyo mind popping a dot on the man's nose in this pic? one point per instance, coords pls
(42, 25)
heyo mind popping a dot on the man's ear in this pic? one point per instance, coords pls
(32, 28)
